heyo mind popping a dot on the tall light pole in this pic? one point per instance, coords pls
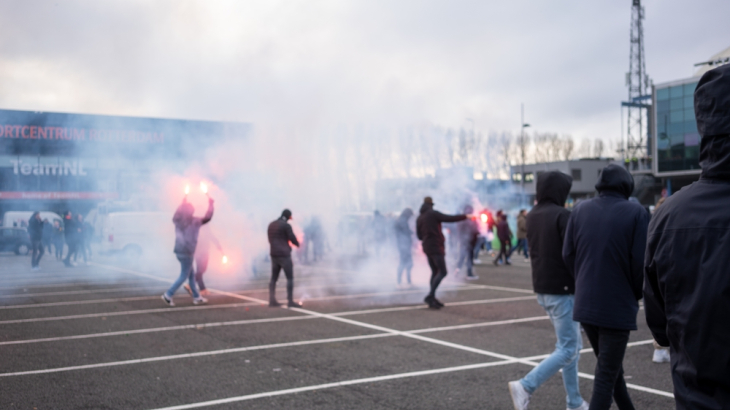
(522, 142)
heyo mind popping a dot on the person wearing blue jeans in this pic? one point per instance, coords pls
(187, 228)
(544, 228)
(567, 349)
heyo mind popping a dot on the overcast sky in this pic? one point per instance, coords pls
(310, 64)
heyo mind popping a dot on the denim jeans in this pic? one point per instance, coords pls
(567, 349)
(186, 272)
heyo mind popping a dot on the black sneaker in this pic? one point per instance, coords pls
(293, 304)
(273, 303)
(438, 303)
(431, 302)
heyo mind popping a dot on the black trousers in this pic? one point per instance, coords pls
(59, 249)
(277, 264)
(504, 249)
(438, 271)
(72, 249)
(609, 346)
(38, 250)
(201, 265)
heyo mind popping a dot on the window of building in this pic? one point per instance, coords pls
(516, 177)
(529, 177)
(577, 174)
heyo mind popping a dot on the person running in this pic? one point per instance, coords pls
(504, 234)
(280, 235)
(187, 228)
(57, 238)
(404, 240)
(555, 290)
(467, 232)
(428, 229)
(604, 250)
(202, 255)
(71, 231)
(687, 284)
(35, 231)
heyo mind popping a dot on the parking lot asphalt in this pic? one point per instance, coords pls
(98, 336)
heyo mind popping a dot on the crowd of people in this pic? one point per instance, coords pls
(74, 234)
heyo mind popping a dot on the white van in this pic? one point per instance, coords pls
(21, 218)
(135, 234)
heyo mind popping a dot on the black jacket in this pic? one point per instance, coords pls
(503, 231)
(187, 228)
(546, 224)
(280, 234)
(428, 229)
(604, 250)
(35, 229)
(70, 230)
(687, 266)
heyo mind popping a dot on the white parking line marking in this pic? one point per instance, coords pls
(76, 292)
(68, 285)
(127, 312)
(77, 302)
(421, 306)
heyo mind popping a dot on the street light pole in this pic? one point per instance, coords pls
(522, 144)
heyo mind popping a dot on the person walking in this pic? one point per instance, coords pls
(504, 234)
(428, 229)
(57, 239)
(35, 231)
(404, 240)
(71, 232)
(522, 234)
(187, 228)
(202, 256)
(467, 232)
(687, 283)
(280, 235)
(555, 290)
(604, 250)
(48, 236)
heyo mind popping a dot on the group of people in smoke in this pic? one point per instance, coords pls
(74, 232)
(591, 266)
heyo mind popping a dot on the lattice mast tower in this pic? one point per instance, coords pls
(638, 84)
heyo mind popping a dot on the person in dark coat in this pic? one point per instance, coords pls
(48, 235)
(555, 289)
(687, 286)
(202, 256)
(504, 234)
(428, 229)
(57, 238)
(71, 231)
(467, 232)
(280, 235)
(604, 251)
(404, 240)
(522, 234)
(187, 228)
(35, 231)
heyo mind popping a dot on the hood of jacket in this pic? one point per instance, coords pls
(426, 207)
(712, 110)
(554, 187)
(617, 179)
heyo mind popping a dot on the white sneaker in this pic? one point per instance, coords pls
(477, 261)
(520, 396)
(583, 406)
(661, 356)
(200, 301)
(167, 300)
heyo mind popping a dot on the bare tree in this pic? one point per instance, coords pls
(567, 148)
(598, 148)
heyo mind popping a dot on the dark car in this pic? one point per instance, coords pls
(15, 240)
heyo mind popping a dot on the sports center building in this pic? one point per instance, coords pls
(59, 161)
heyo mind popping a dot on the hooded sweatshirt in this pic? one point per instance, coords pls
(687, 266)
(403, 233)
(547, 222)
(428, 229)
(604, 251)
(187, 228)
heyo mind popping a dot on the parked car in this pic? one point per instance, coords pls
(14, 240)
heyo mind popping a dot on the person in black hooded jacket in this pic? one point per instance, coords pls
(428, 229)
(280, 235)
(687, 287)
(604, 250)
(551, 280)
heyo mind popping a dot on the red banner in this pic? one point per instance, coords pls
(58, 195)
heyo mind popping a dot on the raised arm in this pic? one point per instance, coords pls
(209, 214)
(449, 218)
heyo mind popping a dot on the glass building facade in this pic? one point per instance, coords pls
(677, 138)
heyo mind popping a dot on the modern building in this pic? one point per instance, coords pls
(58, 161)
(585, 173)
